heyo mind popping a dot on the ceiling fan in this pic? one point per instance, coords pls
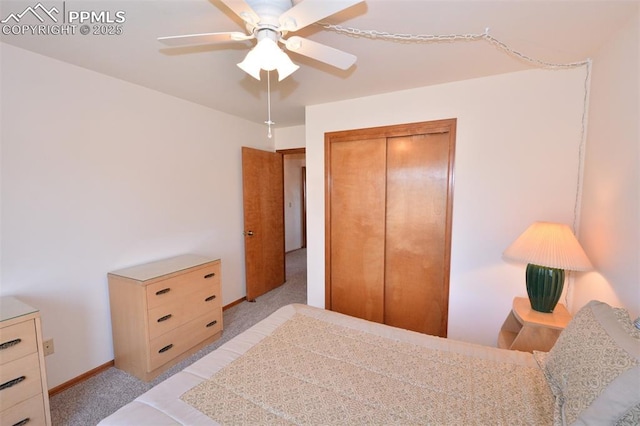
(269, 21)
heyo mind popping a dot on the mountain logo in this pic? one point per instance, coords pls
(39, 11)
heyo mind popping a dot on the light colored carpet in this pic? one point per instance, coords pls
(94, 399)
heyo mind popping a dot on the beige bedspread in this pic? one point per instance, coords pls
(314, 369)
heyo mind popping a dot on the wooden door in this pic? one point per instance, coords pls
(263, 200)
(388, 223)
(356, 215)
(416, 249)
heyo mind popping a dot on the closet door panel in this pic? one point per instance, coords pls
(357, 220)
(416, 267)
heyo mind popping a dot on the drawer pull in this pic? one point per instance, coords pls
(23, 422)
(163, 291)
(210, 298)
(11, 383)
(164, 318)
(166, 348)
(212, 323)
(10, 343)
(211, 275)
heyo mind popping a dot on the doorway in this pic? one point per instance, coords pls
(265, 205)
(295, 198)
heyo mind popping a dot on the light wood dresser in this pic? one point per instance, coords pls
(24, 397)
(164, 311)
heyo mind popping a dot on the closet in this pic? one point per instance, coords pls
(388, 198)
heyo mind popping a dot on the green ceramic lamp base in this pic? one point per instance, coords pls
(544, 287)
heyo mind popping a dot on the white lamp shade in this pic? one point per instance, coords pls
(266, 52)
(285, 67)
(549, 244)
(250, 65)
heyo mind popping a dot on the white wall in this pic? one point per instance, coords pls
(516, 162)
(99, 174)
(610, 223)
(289, 137)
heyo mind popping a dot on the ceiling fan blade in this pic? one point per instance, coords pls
(243, 10)
(310, 11)
(207, 38)
(320, 52)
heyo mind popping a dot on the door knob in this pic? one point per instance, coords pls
(248, 233)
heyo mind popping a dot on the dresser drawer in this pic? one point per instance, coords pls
(175, 313)
(31, 409)
(17, 341)
(177, 287)
(175, 342)
(19, 380)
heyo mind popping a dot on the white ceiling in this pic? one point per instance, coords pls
(553, 31)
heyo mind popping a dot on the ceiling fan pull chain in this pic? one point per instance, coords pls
(269, 122)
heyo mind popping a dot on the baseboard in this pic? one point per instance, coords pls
(295, 249)
(81, 378)
(232, 304)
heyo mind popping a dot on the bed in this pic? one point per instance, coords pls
(304, 365)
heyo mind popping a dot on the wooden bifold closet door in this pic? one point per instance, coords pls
(388, 223)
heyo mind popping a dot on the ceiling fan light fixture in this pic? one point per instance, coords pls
(268, 56)
(269, 21)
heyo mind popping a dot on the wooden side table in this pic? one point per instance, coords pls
(528, 330)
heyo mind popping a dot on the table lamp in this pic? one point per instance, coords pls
(549, 249)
